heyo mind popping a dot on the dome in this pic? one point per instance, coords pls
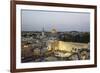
(53, 31)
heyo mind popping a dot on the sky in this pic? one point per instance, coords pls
(36, 20)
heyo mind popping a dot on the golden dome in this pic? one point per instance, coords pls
(53, 31)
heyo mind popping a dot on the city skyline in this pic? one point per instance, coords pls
(36, 20)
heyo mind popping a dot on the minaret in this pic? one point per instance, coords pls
(43, 32)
